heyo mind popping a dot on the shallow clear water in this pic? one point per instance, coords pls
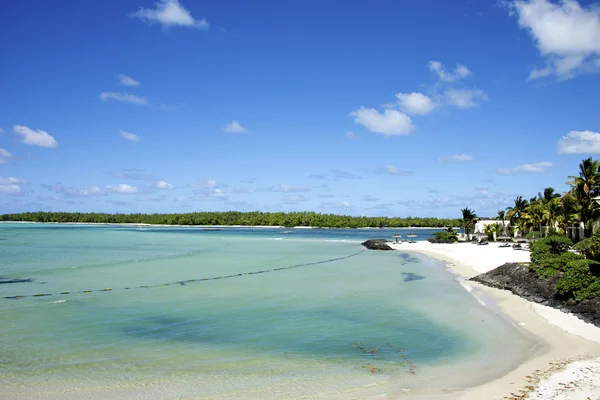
(365, 322)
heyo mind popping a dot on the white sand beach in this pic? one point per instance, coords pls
(568, 365)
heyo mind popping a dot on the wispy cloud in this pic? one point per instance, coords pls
(129, 136)
(294, 199)
(293, 189)
(123, 97)
(207, 184)
(444, 75)
(351, 135)
(170, 13)
(233, 127)
(127, 80)
(536, 167)
(248, 180)
(35, 137)
(455, 158)
(318, 177)
(134, 174)
(72, 192)
(566, 34)
(5, 156)
(11, 185)
(342, 174)
(211, 194)
(391, 170)
(122, 188)
(341, 204)
(370, 198)
(579, 142)
(464, 98)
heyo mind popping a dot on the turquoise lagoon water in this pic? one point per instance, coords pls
(366, 323)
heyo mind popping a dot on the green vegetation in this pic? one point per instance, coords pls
(579, 278)
(236, 218)
(549, 212)
(489, 230)
(447, 236)
(468, 221)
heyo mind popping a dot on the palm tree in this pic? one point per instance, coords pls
(585, 187)
(501, 216)
(517, 211)
(468, 220)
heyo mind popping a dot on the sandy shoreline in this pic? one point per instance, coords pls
(567, 365)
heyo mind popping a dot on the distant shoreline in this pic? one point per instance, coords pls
(213, 226)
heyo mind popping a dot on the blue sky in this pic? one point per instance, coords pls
(414, 108)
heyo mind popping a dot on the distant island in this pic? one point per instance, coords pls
(230, 218)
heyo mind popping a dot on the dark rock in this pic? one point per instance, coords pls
(520, 280)
(377, 244)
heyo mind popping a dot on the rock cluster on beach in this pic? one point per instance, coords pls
(377, 244)
(522, 281)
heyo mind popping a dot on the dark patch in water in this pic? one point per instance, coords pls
(408, 258)
(9, 280)
(409, 276)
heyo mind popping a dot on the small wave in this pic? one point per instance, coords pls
(470, 290)
(275, 239)
(58, 301)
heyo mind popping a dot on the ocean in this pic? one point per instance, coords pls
(268, 313)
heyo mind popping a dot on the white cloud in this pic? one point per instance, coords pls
(391, 170)
(455, 158)
(294, 199)
(209, 183)
(122, 188)
(464, 98)
(390, 123)
(351, 135)
(35, 137)
(293, 189)
(579, 142)
(460, 71)
(566, 35)
(10, 185)
(71, 192)
(537, 167)
(127, 80)
(129, 136)
(123, 97)
(170, 13)
(5, 156)
(214, 194)
(92, 191)
(341, 204)
(233, 127)
(1, 131)
(342, 174)
(415, 103)
(164, 185)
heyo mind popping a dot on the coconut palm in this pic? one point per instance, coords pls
(469, 218)
(517, 211)
(584, 187)
(501, 216)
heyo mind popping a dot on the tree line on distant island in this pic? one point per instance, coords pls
(229, 218)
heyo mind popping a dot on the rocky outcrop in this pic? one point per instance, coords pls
(377, 244)
(519, 279)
